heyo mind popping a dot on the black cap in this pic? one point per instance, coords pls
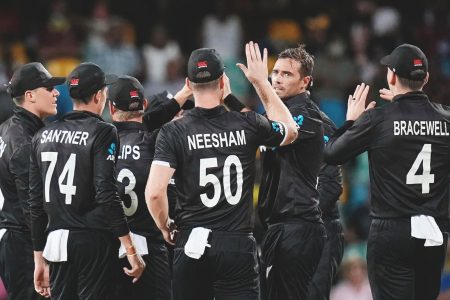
(158, 99)
(29, 77)
(204, 65)
(127, 94)
(86, 79)
(407, 61)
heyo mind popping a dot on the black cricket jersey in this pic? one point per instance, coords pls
(72, 177)
(137, 147)
(290, 173)
(15, 146)
(330, 176)
(213, 152)
(408, 141)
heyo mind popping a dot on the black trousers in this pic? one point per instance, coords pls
(226, 271)
(90, 269)
(290, 255)
(401, 267)
(155, 282)
(329, 262)
(17, 265)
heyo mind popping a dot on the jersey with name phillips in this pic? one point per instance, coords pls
(213, 152)
(408, 142)
(72, 177)
(137, 147)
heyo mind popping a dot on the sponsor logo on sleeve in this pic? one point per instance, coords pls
(111, 152)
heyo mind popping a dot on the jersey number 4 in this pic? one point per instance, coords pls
(68, 171)
(426, 178)
(206, 163)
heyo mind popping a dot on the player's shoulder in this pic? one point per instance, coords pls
(443, 110)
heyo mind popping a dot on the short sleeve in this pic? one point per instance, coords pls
(165, 153)
(270, 133)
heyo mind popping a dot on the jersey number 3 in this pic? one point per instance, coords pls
(426, 178)
(206, 163)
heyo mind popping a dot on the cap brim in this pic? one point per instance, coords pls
(111, 78)
(386, 61)
(54, 81)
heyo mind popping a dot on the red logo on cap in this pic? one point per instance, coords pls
(74, 81)
(134, 94)
(418, 63)
(202, 64)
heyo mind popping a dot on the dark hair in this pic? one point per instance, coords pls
(301, 56)
(87, 99)
(414, 85)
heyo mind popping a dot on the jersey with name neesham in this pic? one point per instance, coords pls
(72, 177)
(289, 177)
(137, 147)
(213, 153)
(409, 154)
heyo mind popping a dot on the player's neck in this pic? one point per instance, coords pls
(207, 100)
(90, 107)
(399, 90)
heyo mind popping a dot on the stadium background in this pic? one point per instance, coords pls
(152, 39)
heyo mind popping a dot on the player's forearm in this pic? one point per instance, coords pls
(158, 207)
(275, 109)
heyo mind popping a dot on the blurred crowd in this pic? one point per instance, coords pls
(151, 39)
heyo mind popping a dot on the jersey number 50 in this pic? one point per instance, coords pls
(206, 163)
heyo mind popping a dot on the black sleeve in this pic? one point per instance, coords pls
(308, 126)
(233, 103)
(349, 140)
(38, 216)
(329, 187)
(165, 148)
(19, 166)
(156, 118)
(270, 133)
(105, 179)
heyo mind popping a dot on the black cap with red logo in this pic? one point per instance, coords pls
(86, 79)
(407, 61)
(127, 94)
(29, 77)
(204, 65)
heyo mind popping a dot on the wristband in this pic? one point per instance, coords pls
(233, 103)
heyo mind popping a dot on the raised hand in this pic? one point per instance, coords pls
(386, 94)
(356, 103)
(256, 70)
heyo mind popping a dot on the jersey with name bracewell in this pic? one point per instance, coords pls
(213, 152)
(72, 177)
(408, 141)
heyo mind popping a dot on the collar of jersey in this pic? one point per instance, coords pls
(129, 125)
(28, 118)
(77, 114)
(416, 95)
(207, 112)
(302, 97)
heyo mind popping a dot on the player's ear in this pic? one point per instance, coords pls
(112, 109)
(188, 83)
(221, 82)
(425, 81)
(392, 78)
(145, 104)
